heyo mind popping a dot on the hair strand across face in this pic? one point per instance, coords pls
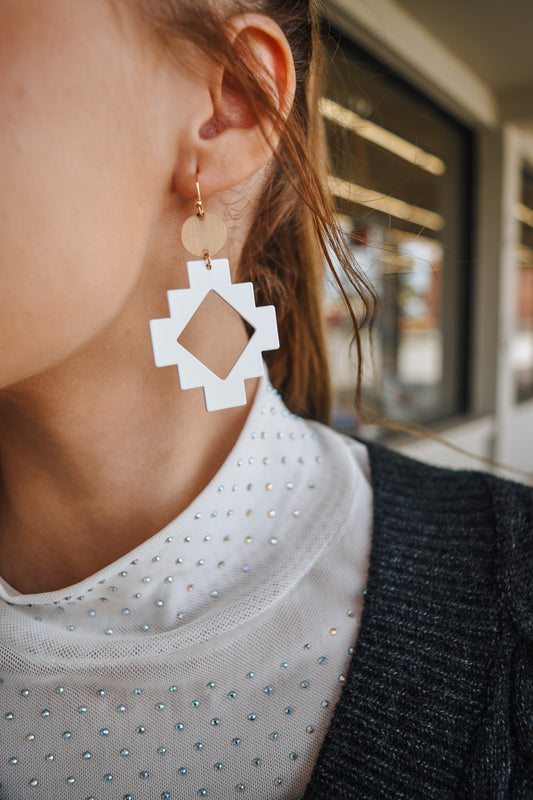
(294, 232)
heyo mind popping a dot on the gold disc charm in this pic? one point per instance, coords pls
(201, 235)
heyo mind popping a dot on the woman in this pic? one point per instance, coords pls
(182, 590)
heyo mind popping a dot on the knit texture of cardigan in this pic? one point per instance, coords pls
(438, 702)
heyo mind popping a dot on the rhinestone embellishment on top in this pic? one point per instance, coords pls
(184, 713)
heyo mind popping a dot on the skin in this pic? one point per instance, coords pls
(102, 136)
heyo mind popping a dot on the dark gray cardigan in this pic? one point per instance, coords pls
(438, 702)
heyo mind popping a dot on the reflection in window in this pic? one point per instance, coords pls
(522, 345)
(400, 174)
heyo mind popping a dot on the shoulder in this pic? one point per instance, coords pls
(455, 551)
(510, 501)
(512, 505)
(484, 509)
(438, 654)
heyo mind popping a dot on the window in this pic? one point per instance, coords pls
(401, 174)
(522, 345)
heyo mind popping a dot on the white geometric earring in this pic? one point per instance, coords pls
(205, 235)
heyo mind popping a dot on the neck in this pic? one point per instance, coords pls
(101, 452)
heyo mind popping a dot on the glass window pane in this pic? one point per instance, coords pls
(522, 345)
(401, 173)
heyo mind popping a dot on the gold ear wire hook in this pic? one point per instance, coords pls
(199, 205)
(200, 213)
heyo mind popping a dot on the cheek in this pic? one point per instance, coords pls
(74, 207)
(69, 260)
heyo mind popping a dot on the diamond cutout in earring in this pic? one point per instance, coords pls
(215, 352)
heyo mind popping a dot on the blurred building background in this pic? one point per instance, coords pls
(429, 117)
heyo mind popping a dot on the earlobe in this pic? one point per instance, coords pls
(234, 142)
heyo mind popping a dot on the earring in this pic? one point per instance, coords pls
(205, 235)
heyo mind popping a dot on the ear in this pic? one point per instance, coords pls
(231, 144)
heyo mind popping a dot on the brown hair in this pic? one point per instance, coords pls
(294, 231)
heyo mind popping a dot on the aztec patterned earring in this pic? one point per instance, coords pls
(205, 235)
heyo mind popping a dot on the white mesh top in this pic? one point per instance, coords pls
(208, 661)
